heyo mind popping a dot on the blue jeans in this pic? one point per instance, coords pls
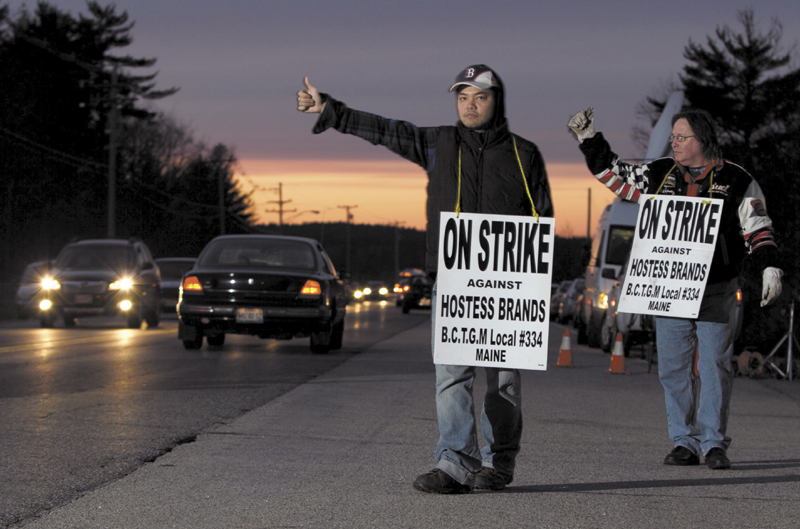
(697, 410)
(457, 451)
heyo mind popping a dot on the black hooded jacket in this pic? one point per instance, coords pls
(492, 179)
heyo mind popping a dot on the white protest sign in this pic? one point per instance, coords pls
(671, 255)
(493, 291)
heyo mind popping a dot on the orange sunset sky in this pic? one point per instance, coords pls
(390, 192)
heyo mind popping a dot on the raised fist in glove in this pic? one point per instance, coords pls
(772, 285)
(582, 124)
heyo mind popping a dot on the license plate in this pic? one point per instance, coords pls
(83, 299)
(249, 316)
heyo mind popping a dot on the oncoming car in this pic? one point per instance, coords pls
(372, 290)
(98, 277)
(269, 286)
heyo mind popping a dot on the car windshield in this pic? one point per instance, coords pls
(85, 257)
(620, 240)
(259, 253)
(174, 269)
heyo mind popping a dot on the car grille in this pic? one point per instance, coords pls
(84, 287)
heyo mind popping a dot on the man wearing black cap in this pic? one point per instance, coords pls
(476, 166)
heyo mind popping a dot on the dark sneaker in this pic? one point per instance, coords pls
(491, 479)
(716, 459)
(440, 482)
(681, 456)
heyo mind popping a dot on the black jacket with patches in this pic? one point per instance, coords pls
(745, 229)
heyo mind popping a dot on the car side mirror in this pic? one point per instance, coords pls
(609, 273)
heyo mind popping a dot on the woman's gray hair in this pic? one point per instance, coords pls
(702, 125)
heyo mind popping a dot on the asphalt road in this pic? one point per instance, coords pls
(85, 406)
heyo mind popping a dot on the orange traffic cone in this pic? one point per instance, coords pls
(618, 358)
(565, 355)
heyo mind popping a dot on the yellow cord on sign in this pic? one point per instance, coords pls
(524, 181)
(711, 182)
(458, 199)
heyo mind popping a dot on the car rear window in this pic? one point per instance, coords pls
(96, 257)
(252, 253)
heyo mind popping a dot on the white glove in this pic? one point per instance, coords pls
(772, 285)
(582, 124)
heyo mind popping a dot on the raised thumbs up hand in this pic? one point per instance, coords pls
(309, 100)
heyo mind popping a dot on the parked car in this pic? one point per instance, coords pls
(634, 328)
(102, 277)
(555, 298)
(610, 247)
(418, 293)
(172, 272)
(567, 306)
(268, 286)
(29, 285)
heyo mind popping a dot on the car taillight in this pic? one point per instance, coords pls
(311, 289)
(738, 296)
(192, 284)
(406, 288)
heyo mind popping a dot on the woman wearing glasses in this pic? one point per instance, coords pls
(697, 423)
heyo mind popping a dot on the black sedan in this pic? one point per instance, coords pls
(269, 286)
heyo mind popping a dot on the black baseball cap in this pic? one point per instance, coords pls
(477, 75)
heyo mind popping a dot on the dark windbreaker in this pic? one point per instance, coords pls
(491, 176)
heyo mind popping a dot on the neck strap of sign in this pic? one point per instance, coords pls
(521, 170)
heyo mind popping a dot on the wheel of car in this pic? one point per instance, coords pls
(218, 340)
(135, 318)
(582, 337)
(320, 342)
(153, 318)
(608, 333)
(406, 307)
(593, 332)
(337, 335)
(46, 321)
(196, 342)
(69, 321)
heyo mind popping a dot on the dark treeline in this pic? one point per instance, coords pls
(75, 109)
(750, 84)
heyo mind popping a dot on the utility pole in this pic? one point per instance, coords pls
(349, 218)
(280, 211)
(112, 156)
(221, 191)
(397, 249)
(589, 216)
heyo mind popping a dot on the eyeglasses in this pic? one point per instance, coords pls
(680, 138)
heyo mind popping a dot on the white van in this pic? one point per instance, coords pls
(610, 247)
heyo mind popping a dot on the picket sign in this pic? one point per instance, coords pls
(671, 255)
(493, 291)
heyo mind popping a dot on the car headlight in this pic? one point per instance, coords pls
(367, 291)
(121, 284)
(357, 294)
(383, 291)
(602, 301)
(48, 283)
